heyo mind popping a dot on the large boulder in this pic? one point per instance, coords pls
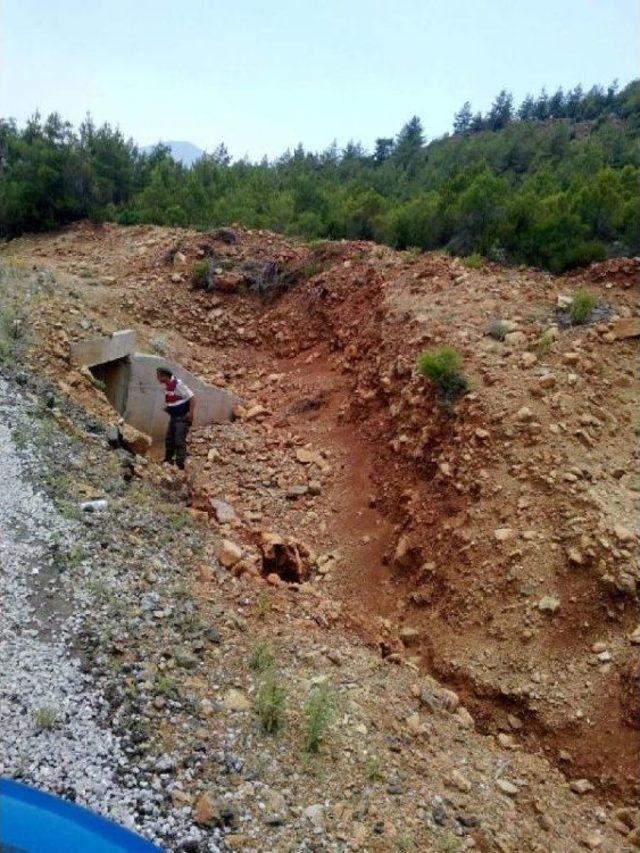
(134, 440)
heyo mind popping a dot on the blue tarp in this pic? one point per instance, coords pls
(34, 822)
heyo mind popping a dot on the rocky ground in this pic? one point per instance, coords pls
(492, 548)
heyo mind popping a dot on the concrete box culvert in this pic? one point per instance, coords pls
(132, 388)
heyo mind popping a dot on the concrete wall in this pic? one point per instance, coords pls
(100, 350)
(133, 389)
(145, 400)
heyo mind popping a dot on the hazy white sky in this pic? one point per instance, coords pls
(262, 75)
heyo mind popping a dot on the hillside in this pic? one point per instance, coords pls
(466, 577)
(182, 152)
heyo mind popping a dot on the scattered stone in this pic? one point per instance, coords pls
(623, 534)
(547, 380)
(465, 718)
(581, 786)
(224, 512)
(507, 787)
(459, 781)
(409, 636)
(524, 415)
(315, 814)
(627, 327)
(515, 722)
(549, 604)
(295, 492)
(236, 700)
(575, 556)
(229, 553)
(592, 840)
(134, 441)
(308, 457)
(502, 534)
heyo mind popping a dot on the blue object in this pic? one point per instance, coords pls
(34, 822)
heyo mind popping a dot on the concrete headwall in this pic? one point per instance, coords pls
(133, 389)
(101, 350)
(145, 400)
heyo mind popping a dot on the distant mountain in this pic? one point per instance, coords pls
(184, 152)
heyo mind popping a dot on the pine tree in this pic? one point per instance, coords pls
(383, 150)
(526, 110)
(410, 142)
(463, 118)
(501, 112)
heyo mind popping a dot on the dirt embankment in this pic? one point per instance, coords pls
(493, 545)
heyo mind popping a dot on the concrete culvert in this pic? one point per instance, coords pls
(130, 384)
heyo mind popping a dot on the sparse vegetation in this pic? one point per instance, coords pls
(45, 718)
(202, 274)
(164, 685)
(404, 843)
(498, 330)
(374, 769)
(473, 262)
(263, 606)
(545, 341)
(9, 332)
(583, 304)
(318, 715)
(449, 844)
(311, 269)
(443, 367)
(270, 702)
(261, 657)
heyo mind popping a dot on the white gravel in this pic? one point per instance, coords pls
(78, 756)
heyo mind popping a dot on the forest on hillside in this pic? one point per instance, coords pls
(553, 182)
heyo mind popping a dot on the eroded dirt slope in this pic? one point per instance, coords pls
(493, 546)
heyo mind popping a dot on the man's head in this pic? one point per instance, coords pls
(163, 374)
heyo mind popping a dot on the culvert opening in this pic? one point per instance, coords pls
(286, 558)
(113, 377)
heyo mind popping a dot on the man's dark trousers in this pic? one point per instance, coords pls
(175, 444)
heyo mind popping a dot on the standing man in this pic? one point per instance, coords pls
(179, 404)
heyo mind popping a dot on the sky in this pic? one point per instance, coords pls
(264, 75)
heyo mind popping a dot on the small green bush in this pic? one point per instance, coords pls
(262, 657)
(443, 368)
(473, 262)
(45, 718)
(9, 332)
(374, 769)
(263, 606)
(271, 702)
(545, 341)
(582, 306)
(318, 714)
(202, 274)
(498, 330)
(165, 686)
